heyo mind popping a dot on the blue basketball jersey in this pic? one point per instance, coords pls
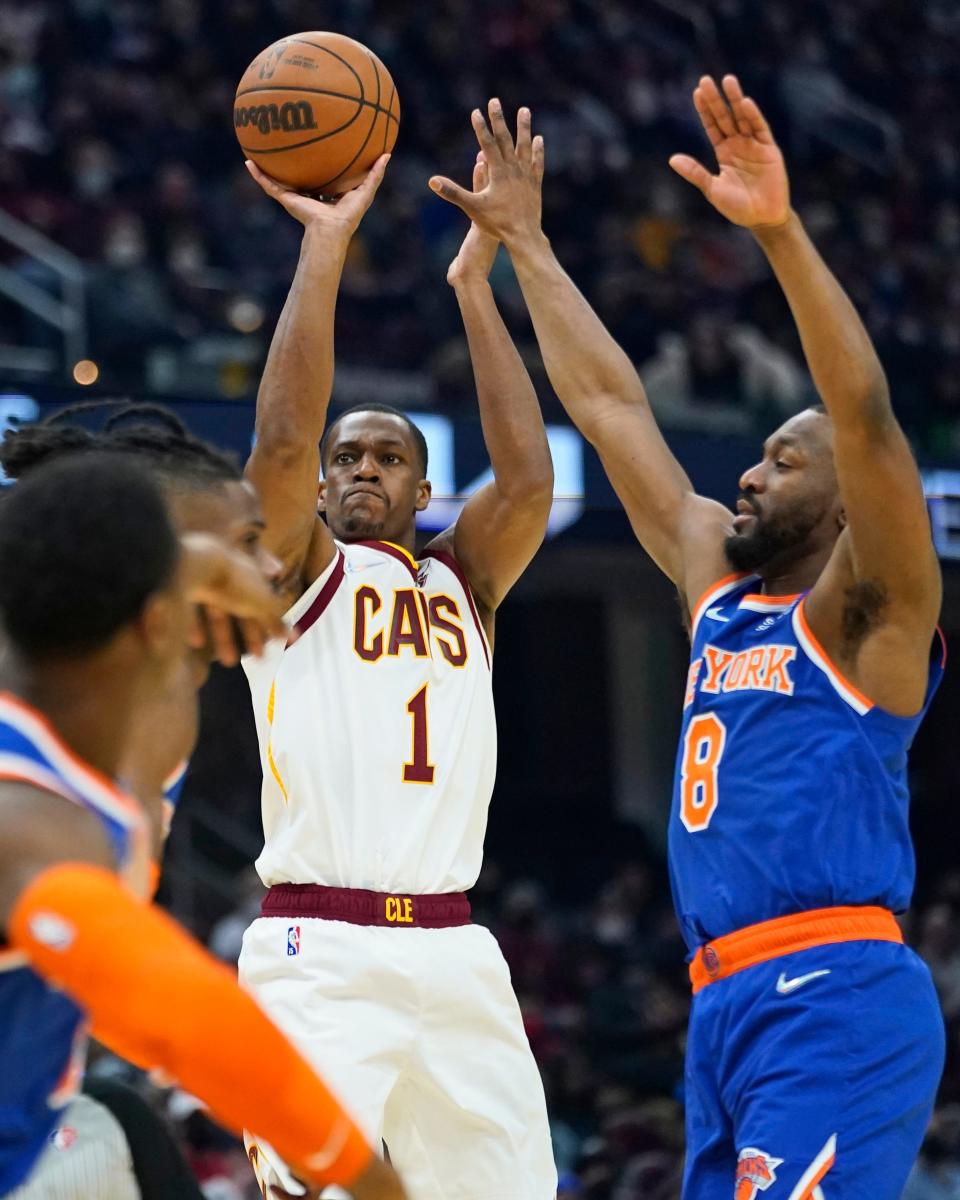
(791, 787)
(42, 1032)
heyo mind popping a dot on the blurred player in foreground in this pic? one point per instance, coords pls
(205, 492)
(816, 1042)
(95, 603)
(378, 741)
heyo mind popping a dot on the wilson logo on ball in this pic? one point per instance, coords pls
(267, 118)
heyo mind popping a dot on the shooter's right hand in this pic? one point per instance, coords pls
(340, 215)
(508, 208)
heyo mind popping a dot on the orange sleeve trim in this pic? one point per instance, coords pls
(827, 660)
(156, 996)
(761, 598)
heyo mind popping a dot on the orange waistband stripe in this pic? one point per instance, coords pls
(785, 935)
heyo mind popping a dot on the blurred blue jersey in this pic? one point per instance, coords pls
(791, 787)
(42, 1033)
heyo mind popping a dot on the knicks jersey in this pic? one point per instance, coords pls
(376, 727)
(791, 787)
(42, 1033)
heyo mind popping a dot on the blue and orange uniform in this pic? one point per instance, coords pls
(42, 1032)
(816, 1041)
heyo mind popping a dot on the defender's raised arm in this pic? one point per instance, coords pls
(298, 378)
(884, 573)
(594, 379)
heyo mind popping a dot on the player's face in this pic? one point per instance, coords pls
(231, 511)
(373, 486)
(789, 502)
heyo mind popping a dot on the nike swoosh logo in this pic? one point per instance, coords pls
(785, 986)
(714, 614)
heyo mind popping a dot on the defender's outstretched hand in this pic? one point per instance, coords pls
(508, 207)
(476, 256)
(228, 587)
(751, 187)
(342, 214)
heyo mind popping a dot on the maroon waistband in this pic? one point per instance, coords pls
(360, 907)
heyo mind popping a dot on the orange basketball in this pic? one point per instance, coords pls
(316, 111)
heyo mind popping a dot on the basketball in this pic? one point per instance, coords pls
(315, 111)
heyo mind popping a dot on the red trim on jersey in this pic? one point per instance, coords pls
(449, 561)
(323, 598)
(396, 552)
(943, 647)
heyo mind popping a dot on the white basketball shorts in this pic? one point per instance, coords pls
(419, 1032)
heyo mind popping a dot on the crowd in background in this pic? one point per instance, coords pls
(116, 140)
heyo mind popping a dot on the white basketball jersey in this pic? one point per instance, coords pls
(377, 732)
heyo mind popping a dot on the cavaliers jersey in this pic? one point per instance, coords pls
(42, 1032)
(376, 728)
(791, 786)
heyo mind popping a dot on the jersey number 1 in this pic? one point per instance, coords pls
(419, 769)
(703, 746)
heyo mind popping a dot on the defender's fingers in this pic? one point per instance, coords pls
(481, 175)
(221, 635)
(524, 135)
(453, 192)
(707, 119)
(486, 139)
(254, 638)
(692, 171)
(719, 109)
(500, 131)
(734, 94)
(756, 120)
(537, 157)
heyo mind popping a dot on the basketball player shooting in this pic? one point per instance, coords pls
(816, 1041)
(378, 740)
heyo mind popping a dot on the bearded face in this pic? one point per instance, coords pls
(789, 505)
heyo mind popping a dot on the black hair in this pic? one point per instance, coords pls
(83, 543)
(419, 440)
(149, 433)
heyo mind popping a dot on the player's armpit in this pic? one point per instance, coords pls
(154, 993)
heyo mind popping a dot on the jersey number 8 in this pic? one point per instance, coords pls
(703, 745)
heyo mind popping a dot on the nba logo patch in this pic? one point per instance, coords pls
(293, 940)
(756, 1171)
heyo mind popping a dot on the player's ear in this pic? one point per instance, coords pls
(322, 496)
(842, 519)
(424, 492)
